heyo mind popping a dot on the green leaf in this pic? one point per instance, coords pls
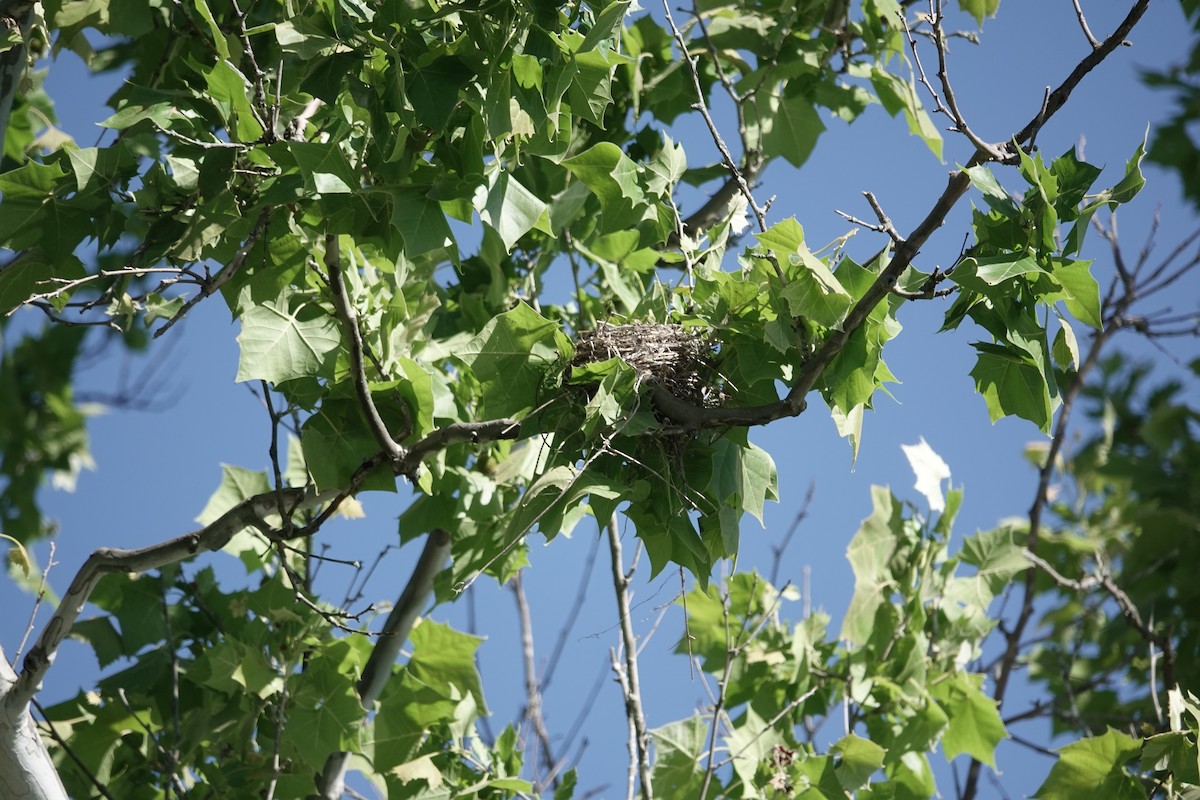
(510, 209)
(869, 553)
(794, 129)
(1094, 767)
(896, 95)
(975, 725)
(237, 484)
(743, 475)
(997, 559)
(285, 339)
(102, 637)
(1011, 383)
(859, 760)
(214, 29)
(420, 221)
(444, 660)
(993, 193)
(324, 713)
(33, 273)
(679, 748)
(1066, 347)
(1129, 186)
(512, 358)
(815, 293)
(1082, 292)
(433, 90)
(336, 442)
(229, 86)
(613, 178)
(997, 269)
(980, 9)
(324, 168)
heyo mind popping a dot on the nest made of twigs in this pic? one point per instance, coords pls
(667, 355)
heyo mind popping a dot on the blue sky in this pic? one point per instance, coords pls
(156, 469)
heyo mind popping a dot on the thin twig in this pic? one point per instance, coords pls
(702, 107)
(345, 312)
(37, 602)
(1083, 24)
(210, 286)
(572, 616)
(960, 123)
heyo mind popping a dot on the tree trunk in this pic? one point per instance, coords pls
(26, 771)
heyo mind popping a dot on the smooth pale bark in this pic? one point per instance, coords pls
(26, 771)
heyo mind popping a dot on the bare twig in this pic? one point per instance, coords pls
(533, 688)
(572, 616)
(211, 285)
(777, 550)
(627, 673)
(727, 157)
(41, 594)
(993, 152)
(1083, 24)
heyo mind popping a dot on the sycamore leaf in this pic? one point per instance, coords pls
(1092, 768)
(509, 208)
(975, 725)
(897, 94)
(679, 749)
(1011, 383)
(420, 221)
(280, 342)
(444, 659)
(511, 357)
(18, 556)
(421, 768)
(980, 9)
(613, 178)
(324, 168)
(324, 712)
(930, 470)
(1081, 291)
(869, 553)
(996, 558)
(794, 130)
(859, 760)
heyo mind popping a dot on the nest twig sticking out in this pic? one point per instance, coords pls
(667, 355)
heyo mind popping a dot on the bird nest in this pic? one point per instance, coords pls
(665, 355)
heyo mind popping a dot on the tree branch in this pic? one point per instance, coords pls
(210, 286)
(627, 674)
(690, 417)
(381, 662)
(533, 689)
(248, 513)
(345, 313)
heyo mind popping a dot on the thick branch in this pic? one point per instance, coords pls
(248, 513)
(377, 670)
(456, 433)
